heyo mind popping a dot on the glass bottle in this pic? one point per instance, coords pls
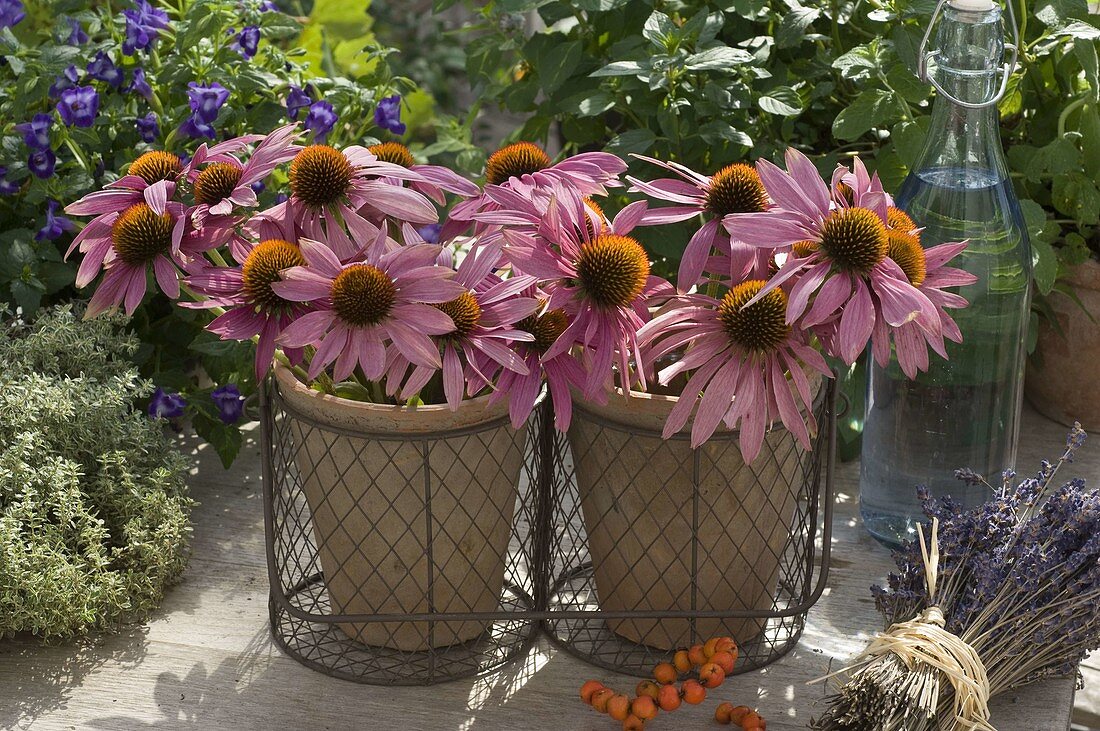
(964, 411)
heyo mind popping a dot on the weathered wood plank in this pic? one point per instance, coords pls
(205, 660)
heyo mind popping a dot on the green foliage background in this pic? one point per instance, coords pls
(94, 516)
(709, 82)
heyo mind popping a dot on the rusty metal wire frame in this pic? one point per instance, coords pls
(548, 581)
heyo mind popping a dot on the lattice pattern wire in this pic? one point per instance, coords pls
(438, 614)
(397, 559)
(657, 546)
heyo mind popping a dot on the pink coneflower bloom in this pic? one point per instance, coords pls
(329, 186)
(220, 182)
(845, 267)
(733, 189)
(485, 317)
(926, 270)
(739, 356)
(124, 245)
(150, 179)
(253, 308)
(561, 372)
(435, 179)
(525, 167)
(602, 282)
(361, 306)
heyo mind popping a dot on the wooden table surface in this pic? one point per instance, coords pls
(205, 660)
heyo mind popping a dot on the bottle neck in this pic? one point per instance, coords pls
(967, 65)
(961, 137)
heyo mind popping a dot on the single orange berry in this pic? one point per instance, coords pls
(726, 644)
(590, 687)
(618, 707)
(751, 720)
(600, 699)
(648, 688)
(711, 675)
(682, 662)
(738, 713)
(711, 647)
(724, 660)
(697, 655)
(665, 673)
(644, 708)
(722, 712)
(669, 698)
(633, 723)
(693, 692)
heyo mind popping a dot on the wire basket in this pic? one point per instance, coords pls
(657, 546)
(394, 558)
(384, 570)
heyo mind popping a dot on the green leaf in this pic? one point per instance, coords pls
(588, 103)
(1090, 140)
(224, 438)
(718, 59)
(279, 25)
(859, 61)
(792, 28)
(869, 109)
(1090, 64)
(635, 140)
(909, 139)
(782, 100)
(1079, 29)
(621, 68)
(717, 131)
(557, 64)
(1076, 195)
(1044, 265)
(661, 31)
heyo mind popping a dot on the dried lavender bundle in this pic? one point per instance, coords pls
(1018, 581)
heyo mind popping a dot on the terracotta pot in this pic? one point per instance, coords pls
(370, 513)
(1062, 374)
(638, 503)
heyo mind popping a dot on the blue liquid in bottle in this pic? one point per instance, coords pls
(965, 411)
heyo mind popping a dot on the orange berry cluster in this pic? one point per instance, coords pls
(714, 660)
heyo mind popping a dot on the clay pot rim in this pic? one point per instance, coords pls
(390, 420)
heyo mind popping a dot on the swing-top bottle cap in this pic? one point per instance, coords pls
(973, 6)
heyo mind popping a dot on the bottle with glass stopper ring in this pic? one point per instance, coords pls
(963, 411)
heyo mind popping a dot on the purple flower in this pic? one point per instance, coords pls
(164, 405)
(206, 100)
(77, 35)
(321, 119)
(281, 198)
(36, 133)
(104, 69)
(147, 127)
(258, 187)
(195, 127)
(297, 99)
(267, 6)
(430, 233)
(387, 115)
(230, 403)
(55, 225)
(66, 81)
(7, 187)
(139, 85)
(42, 163)
(247, 41)
(11, 12)
(78, 106)
(143, 26)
